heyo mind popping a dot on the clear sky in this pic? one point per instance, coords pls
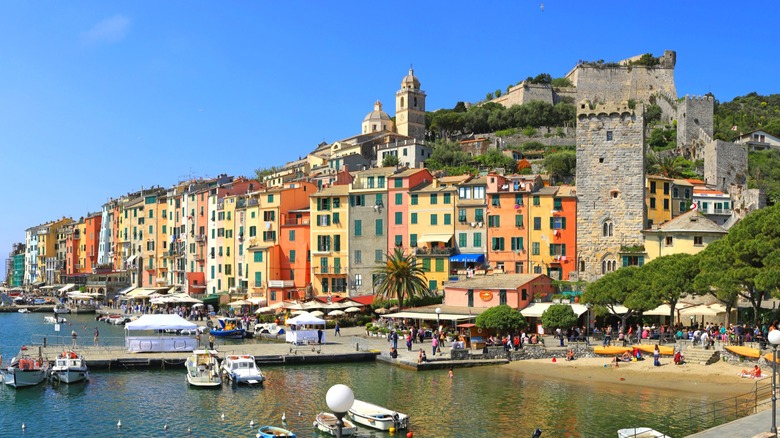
(101, 98)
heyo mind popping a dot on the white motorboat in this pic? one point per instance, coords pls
(26, 369)
(378, 417)
(326, 422)
(242, 369)
(70, 367)
(54, 320)
(203, 369)
(23, 311)
(61, 308)
(640, 432)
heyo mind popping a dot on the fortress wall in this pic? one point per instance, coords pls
(620, 84)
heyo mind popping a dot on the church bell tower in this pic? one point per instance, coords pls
(410, 108)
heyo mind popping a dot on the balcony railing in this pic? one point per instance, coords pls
(200, 238)
(446, 251)
(297, 222)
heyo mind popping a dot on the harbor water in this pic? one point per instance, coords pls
(483, 401)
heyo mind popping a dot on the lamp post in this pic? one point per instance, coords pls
(587, 324)
(339, 399)
(438, 320)
(774, 339)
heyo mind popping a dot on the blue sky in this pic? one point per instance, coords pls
(100, 98)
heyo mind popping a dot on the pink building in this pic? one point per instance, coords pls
(514, 290)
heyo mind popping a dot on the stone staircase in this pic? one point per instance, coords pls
(704, 357)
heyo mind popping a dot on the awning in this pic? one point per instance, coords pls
(535, 310)
(468, 258)
(435, 238)
(131, 258)
(125, 290)
(428, 316)
(66, 288)
(212, 299)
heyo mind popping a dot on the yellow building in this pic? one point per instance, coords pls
(431, 217)
(47, 264)
(329, 240)
(689, 233)
(667, 198)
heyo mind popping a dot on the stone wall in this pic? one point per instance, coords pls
(524, 93)
(668, 107)
(621, 83)
(725, 164)
(694, 124)
(527, 352)
(610, 184)
(519, 139)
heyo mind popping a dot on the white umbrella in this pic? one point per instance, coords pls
(197, 305)
(381, 311)
(352, 309)
(240, 303)
(335, 313)
(317, 313)
(297, 312)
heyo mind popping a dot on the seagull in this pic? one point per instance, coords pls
(542, 7)
(165, 427)
(189, 430)
(119, 424)
(284, 418)
(252, 423)
(222, 416)
(299, 413)
(24, 426)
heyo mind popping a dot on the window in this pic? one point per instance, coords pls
(666, 188)
(414, 200)
(270, 199)
(399, 218)
(479, 193)
(462, 240)
(258, 279)
(557, 249)
(325, 285)
(669, 240)
(399, 183)
(292, 235)
(535, 248)
(413, 218)
(447, 198)
(447, 219)
(358, 257)
(413, 240)
(607, 229)
(323, 220)
(336, 218)
(355, 200)
(464, 192)
(378, 200)
(666, 204)
(557, 204)
(426, 265)
(439, 265)
(381, 182)
(378, 256)
(698, 240)
(258, 257)
(323, 243)
(358, 227)
(687, 193)
(652, 186)
(536, 201)
(432, 285)
(470, 295)
(494, 201)
(370, 180)
(399, 198)
(518, 199)
(519, 220)
(517, 243)
(337, 266)
(324, 265)
(477, 240)
(682, 205)
(652, 203)
(379, 227)
(358, 280)
(292, 256)
(558, 223)
(675, 192)
(502, 296)
(537, 223)
(478, 215)
(497, 244)
(399, 240)
(633, 260)
(461, 215)
(609, 135)
(434, 198)
(434, 219)
(269, 236)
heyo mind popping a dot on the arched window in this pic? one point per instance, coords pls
(607, 229)
(402, 102)
(415, 101)
(603, 267)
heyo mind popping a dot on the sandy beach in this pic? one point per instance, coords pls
(719, 378)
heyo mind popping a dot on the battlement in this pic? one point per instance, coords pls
(689, 98)
(588, 109)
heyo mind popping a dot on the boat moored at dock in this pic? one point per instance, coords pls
(242, 369)
(26, 369)
(326, 422)
(70, 367)
(377, 417)
(203, 369)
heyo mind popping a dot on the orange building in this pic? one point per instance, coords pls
(91, 241)
(552, 231)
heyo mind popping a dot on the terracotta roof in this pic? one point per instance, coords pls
(690, 222)
(496, 281)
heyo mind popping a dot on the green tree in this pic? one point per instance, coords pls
(493, 159)
(561, 165)
(559, 316)
(624, 287)
(747, 259)
(400, 276)
(764, 173)
(501, 318)
(265, 171)
(653, 113)
(390, 161)
(672, 277)
(446, 153)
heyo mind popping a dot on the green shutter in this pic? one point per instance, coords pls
(563, 249)
(552, 222)
(563, 223)
(413, 240)
(462, 239)
(358, 227)
(518, 220)
(447, 219)
(440, 265)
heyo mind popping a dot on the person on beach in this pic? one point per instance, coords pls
(679, 359)
(450, 373)
(73, 337)
(656, 356)
(434, 344)
(421, 357)
(570, 354)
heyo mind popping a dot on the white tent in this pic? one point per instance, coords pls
(160, 322)
(299, 333)
(305, 318)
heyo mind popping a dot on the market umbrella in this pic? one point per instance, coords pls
(335, 313)
(297, 312)
(352, 309)
(240, 303)
(700, 310)
(381, 311)
(317, 313)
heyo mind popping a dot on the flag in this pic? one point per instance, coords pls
(694, 206)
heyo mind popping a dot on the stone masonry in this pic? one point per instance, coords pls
(694, 125)
(725, 164)
(610, 184)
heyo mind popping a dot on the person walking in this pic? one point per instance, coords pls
(337, 330)
(211, 342)
(394, 338)
(97, 335)
(434, 344)
(73, 337)
(409, 341)
(656, 356)
(319, 336)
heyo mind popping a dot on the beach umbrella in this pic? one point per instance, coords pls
(381, 311)
(317, 313)
(335, 313)
(393, 308)
(700, 310)
(297, 312)
(240, 303)
(352, 309)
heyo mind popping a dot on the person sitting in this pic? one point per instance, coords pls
(393, 353)
(570, 354)
(421, 357)
(626, 357)
(616, 360)
(489, 342)
(679, 359)
(755, 373)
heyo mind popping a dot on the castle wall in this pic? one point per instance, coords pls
(621, 83)
(610, 184)
(524, 93)
(694, 124)
(725, 163)
(668, 107)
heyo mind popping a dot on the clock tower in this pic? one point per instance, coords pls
(410, 108)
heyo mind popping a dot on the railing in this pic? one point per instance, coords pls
(434, 251)
(220, 205)
(252, 202)
(200, 238)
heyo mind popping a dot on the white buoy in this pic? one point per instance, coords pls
(24, 426)
(119, 424)
(189, 430)
(165, 427)
(252, 423)
(299, 413)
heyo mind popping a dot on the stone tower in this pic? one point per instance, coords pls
(694, 125)
(410, 108)
(610, 186)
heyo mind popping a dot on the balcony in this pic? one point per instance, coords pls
(297, 222)
(220, 205)
(252, 202)
(200, 238)
(446, 251)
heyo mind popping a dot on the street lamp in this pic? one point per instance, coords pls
(774, 339)
(438, 321)
(339, 399)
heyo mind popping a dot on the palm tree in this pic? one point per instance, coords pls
(400, 276)
(670, 167)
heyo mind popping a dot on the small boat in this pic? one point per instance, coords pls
(70, 367)
(54, 320)
(326, 422)
(229, 328)
(753, 353)
(273, 431)
(377, 417)
(242, 369)
(26, 369)
(203, 369)
(23, 311)
(640, 432)
(61, 308)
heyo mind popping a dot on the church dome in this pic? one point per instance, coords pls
(377, 120)
(410, 81)
(377, 114)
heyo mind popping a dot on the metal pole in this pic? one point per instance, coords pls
(774, 389)
(339, 423)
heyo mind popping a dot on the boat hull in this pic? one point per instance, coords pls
(71, 375)
(274, 432)
(640, 432)
(69, 367)
(19, 378)
(377, 417)
(203, 370)
(326, 423)
(231, 334)
(242, 369)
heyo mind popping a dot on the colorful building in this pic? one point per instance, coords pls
(431, 228)
(688, 233)
(329, 240)
(552, 231)
(514, 290)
